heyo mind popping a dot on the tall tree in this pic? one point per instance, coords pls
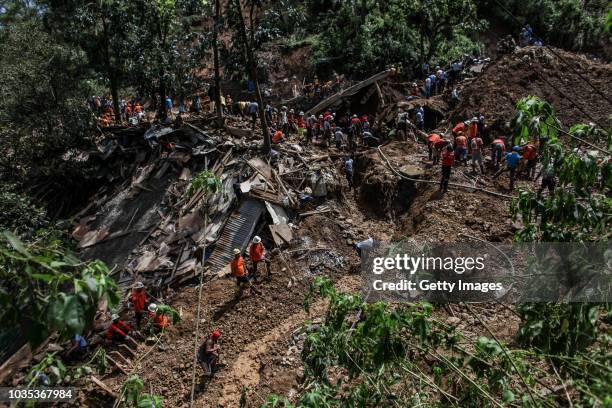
(252, 64)
(103, 29)
(170, 49)
(217, 26)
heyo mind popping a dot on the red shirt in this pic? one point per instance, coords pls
(529, 152)
(448, 158)
(277, 137)
(257, 252)
(440, 144)
(476, 144)
(238, 267)
(161, 320)
(501, 142)
(120, 328)
(459, 127)
(355, 121)
(139, 298)
(433, 138)
(473, 129)
(461, 141)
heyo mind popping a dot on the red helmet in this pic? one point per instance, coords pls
(215, 334)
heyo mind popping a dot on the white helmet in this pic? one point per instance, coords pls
(138, 285)
(291, 111)
(152, 307)
(308, 190)
(256, 239)
(115, 317)
(301, 113)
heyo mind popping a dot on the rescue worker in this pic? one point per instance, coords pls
(252, 111)
(278, 137)
(118, 331)
(448, 159)
(530, 153)
(239, 272)
(301, 125)
(208, 353)
(78, 349)
(356, 124)
(498, 149)
(339, 136)
(402, 123)
(157, 321)
(548, 179)
(431, 141)
(459, 127)
(438, 148)
(476, 146)
(138, 299)
(259, 255)
(414, 90)
(461, 145)
(348, 170)
(481, 125)
(512, 161)
(420, 118)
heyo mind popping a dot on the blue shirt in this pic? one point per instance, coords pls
(168, 103)
(253, 107)
(348, 165)
(512, 159)
(81, 340)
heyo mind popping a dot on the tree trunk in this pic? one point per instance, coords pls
(216, 62)
(115, 93)
(253, 70)
(163, 110)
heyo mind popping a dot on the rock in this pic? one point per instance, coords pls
(453, 320)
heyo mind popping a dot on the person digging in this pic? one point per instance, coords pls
(209, 353)
(240, 273)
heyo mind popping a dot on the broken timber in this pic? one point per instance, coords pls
(350, 91)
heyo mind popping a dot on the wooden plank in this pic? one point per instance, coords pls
(103, 387)
(350, 91)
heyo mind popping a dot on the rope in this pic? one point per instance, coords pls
(436, 182)
(196, 339)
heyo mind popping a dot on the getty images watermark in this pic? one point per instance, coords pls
(482, 271)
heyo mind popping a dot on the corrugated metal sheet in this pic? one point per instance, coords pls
(236, 234)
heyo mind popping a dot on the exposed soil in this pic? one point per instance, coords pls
(261, 340)
(495, 92)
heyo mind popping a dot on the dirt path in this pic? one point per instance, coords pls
(246, 367)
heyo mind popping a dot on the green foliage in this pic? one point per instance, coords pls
(374, 355)
(51, 366)
(533, 120)
(572, 24)
(42, 114)
(170, 312)
(17, 212)
(364, 39)
(132, 391)
(558, 329)
(205, 181)
(45, 289)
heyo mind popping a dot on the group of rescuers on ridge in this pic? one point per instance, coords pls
(209, 351)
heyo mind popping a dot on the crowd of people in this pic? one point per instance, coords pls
(467, 146)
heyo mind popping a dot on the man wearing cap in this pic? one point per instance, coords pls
(208, 352)
(240, 273)
(257, 253)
